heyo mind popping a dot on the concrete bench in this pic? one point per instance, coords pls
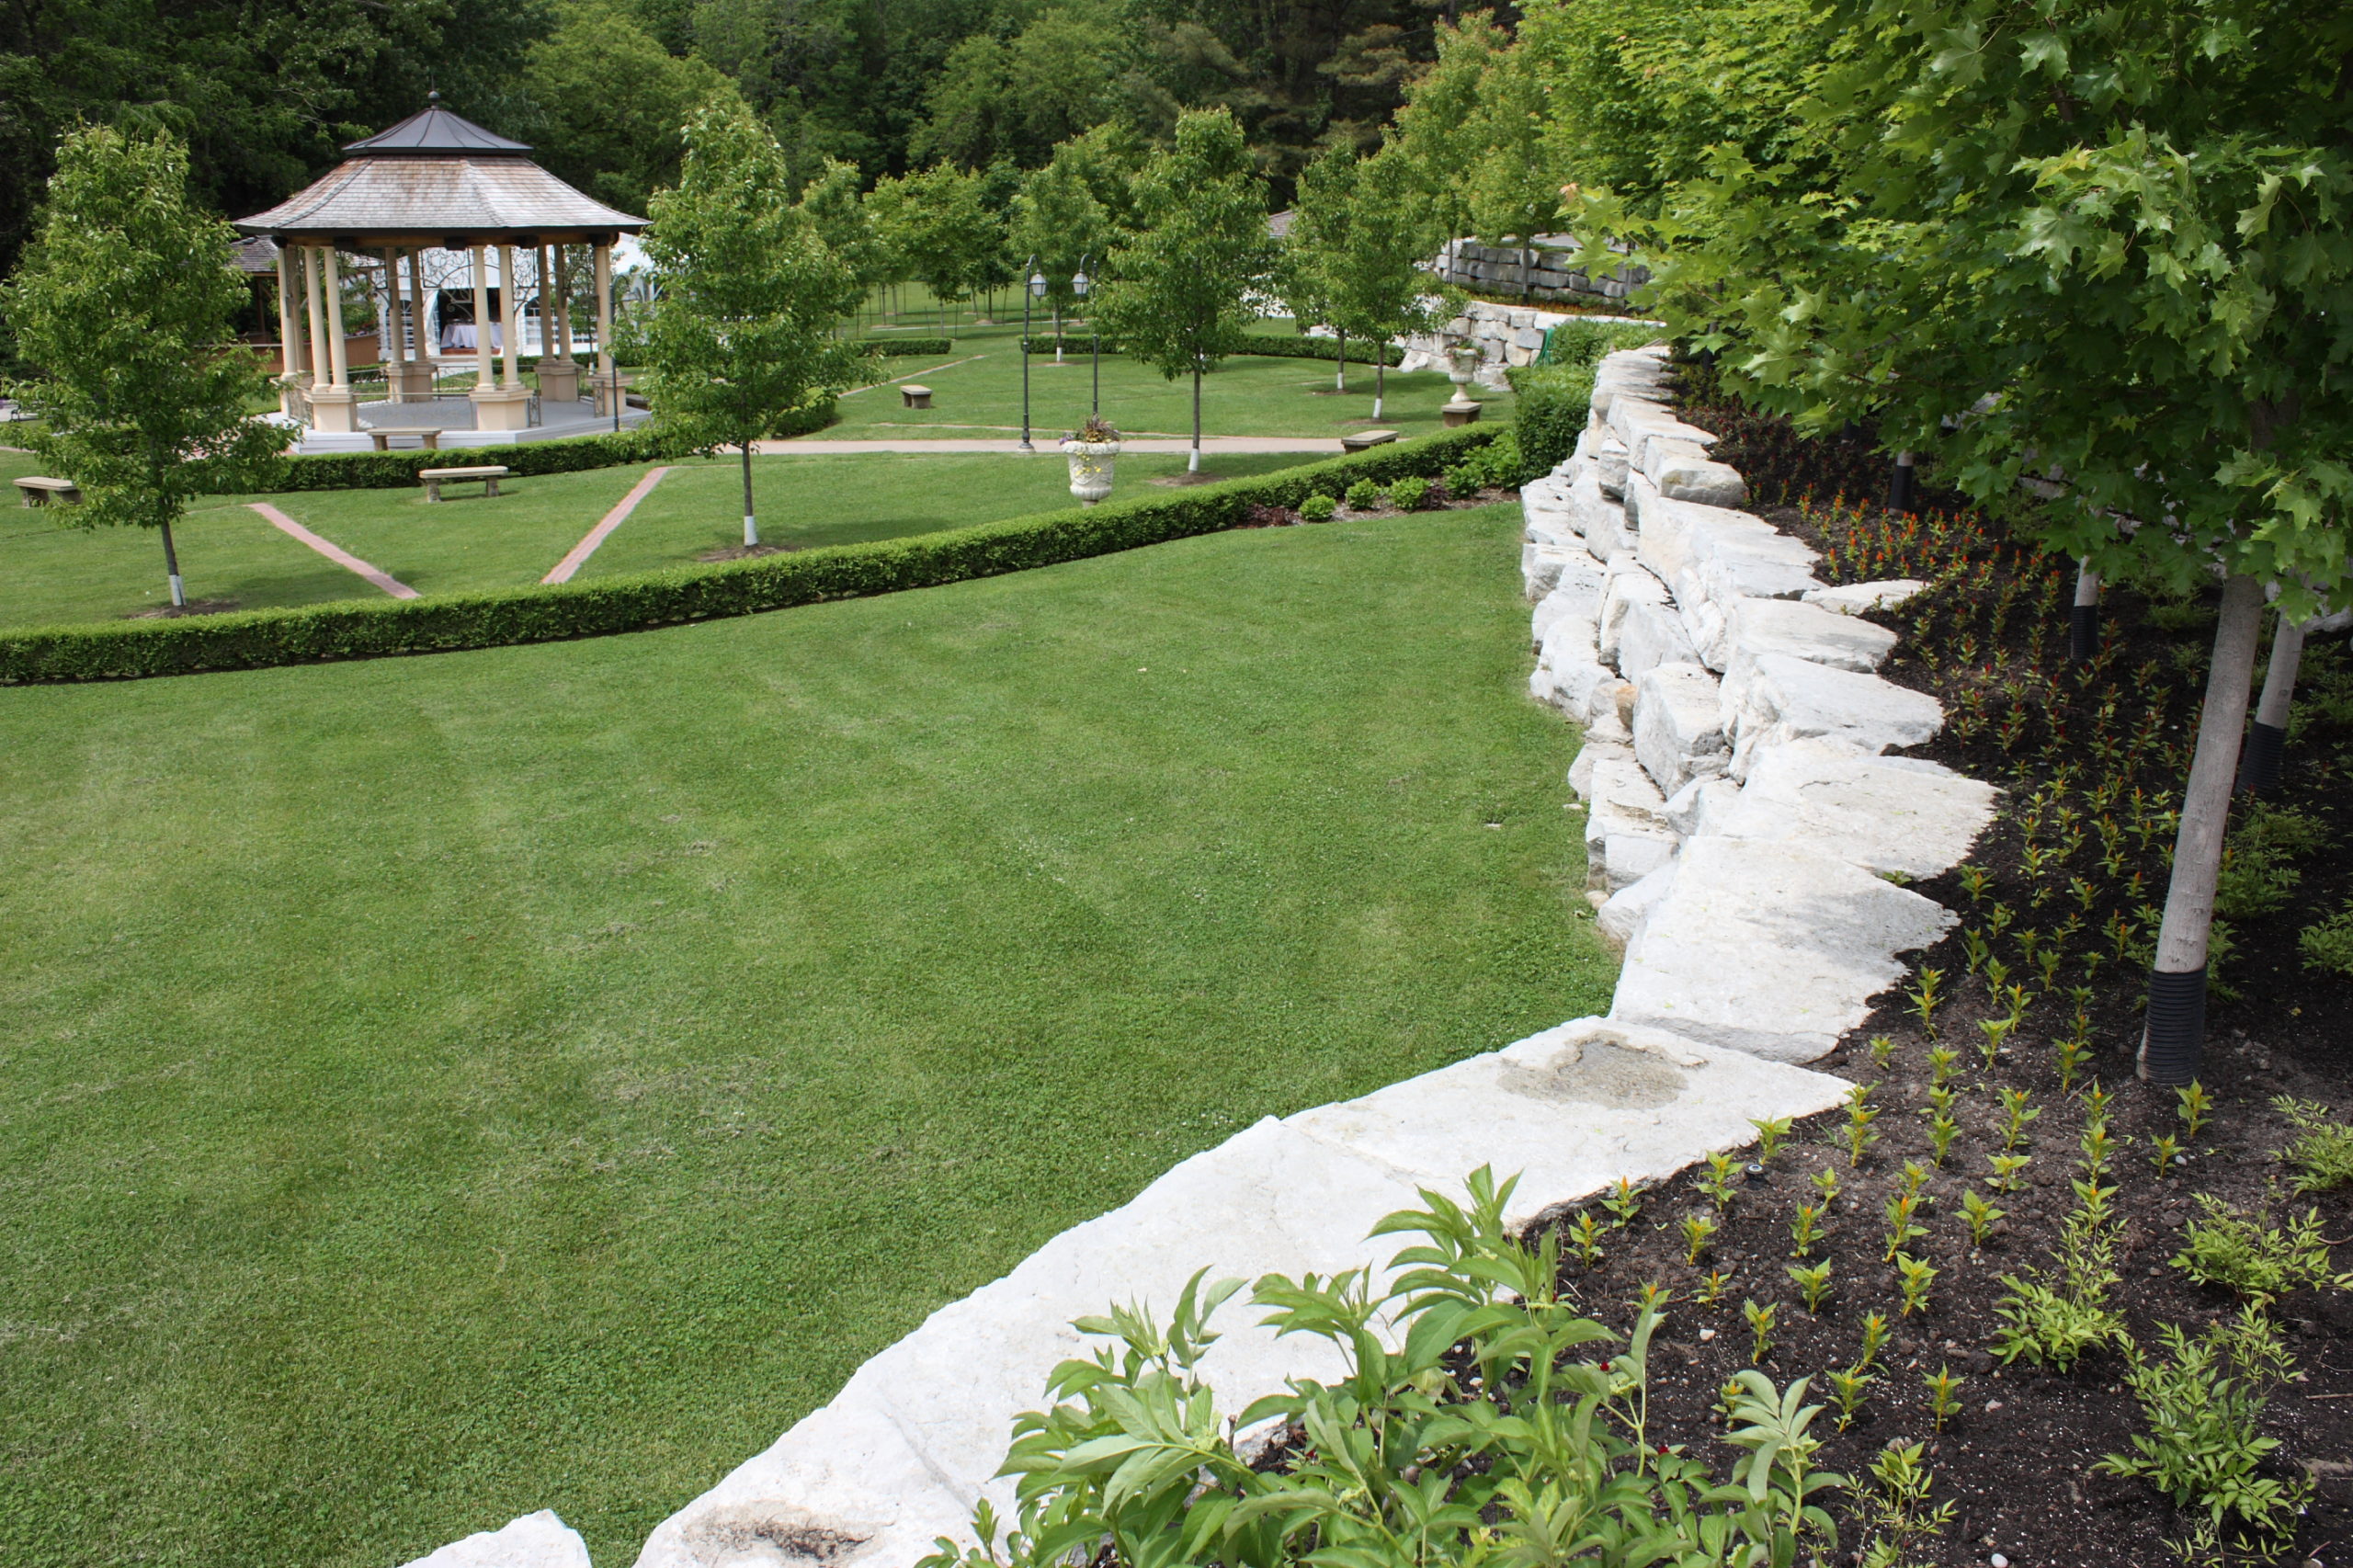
(912, 396)
(435, 478)
(1458, 415)
(382, 436)
(39, 489)
(1364, 438)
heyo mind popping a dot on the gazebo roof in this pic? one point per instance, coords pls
(439, 179)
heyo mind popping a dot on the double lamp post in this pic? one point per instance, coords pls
(1080, 286)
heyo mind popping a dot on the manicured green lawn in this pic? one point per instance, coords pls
(52, 572)
(1246, 395)
(440, 1088)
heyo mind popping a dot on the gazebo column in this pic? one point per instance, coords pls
(506, 406)
(559, 376)
(417, 368)
(334, 411)
(390, 352)
(290, 333)
(606, 381)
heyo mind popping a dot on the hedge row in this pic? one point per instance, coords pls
(572, 454)
(899, 348)
(1555, 403)
(1264, 347)
(262, 639)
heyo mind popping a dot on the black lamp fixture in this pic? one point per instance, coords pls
(1036, 290)
(1081, 285)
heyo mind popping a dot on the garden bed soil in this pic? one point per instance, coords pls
(2062, 895)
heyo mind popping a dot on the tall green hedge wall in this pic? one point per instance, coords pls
(261, 638)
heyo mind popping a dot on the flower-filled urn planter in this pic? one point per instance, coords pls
(1093, 451)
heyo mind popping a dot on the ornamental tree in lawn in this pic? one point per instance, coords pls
(833, 203)
(2102, 248)
(939, 228)
(1176, 290)
(1057, 220)
(122, 303)
(1311, 251)
(746, 293)
(1378, 289)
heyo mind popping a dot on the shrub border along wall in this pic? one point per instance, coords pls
(1260, 347)
(571, 454)
(899, 348)
(264, 639)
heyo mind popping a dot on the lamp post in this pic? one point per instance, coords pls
(1034, 289)
(1080, 284)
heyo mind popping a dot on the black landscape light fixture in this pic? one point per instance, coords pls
(1036, 290)
(1081, 285)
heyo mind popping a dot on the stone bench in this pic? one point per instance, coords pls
(912, 396)
(382, 436)
(39, 488)
(435, 478)
(1364, 438)
(1458, 415)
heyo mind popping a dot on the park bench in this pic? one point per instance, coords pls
(382, 436)
(913, 396)
(435, 478)
(1364, 438)
(1458, 415)
(38, 488)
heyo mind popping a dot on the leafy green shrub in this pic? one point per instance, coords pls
(2328, 944)
(1301, 347)
(2261, 1262)
(2202, 1404)
(2322, 1154)
(261, 638)
(1556, 401)
(1410, 493)
(1585, 342)
(2259, 872)
(572, 454)
(1405, 1460)
(1362, 496)
(2058, 1325)
(1317, 509)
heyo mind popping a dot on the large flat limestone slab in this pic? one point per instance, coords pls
(1773, 949)
(1883, 814)
(901, 1455)
(1773, 699)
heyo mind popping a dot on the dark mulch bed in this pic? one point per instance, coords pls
(2064, 895)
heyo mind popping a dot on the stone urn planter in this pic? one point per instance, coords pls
(1093, 452)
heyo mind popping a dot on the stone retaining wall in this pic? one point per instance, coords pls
(1747, 837)
(1543, 268)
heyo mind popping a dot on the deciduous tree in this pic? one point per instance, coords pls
(123, 305)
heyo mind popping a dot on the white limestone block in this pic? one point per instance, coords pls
(1633, 372)
(1622, 914)
(1612, 702)
(1637, 422)
(1678, 726)
(1610, 464)
(1775, 699)
(1683, 471)
(1886, 815)
(1650, 635)
(535, 1541)
(1857, 598)
(1600, 520)
(1714, 553)
(1626, 836)
(1699, 806)
(1591, 755)
(1624, 585)
(1540, 566)
(1772, 948)
(1803, 632)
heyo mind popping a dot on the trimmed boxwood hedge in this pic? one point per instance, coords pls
(899, 348)
(571, 454)
(1264, 347)
(262, 639)
(1554, 403)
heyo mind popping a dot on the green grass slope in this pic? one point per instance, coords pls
(440, 1088)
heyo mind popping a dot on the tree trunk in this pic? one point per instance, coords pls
(2176, 1032)
(1380, 377)
(172, 568)
(2266, 738)
(751, 524)
(1057, 334)
(1340, 382)
(2083, 622)
(1193, 463)
(1899, 483)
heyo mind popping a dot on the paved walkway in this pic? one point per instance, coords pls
(334, 552)
(1211, 446)
(587, 546)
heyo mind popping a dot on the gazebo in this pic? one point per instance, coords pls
(435, 181)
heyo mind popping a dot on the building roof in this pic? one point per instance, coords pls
(436, 132)
(433, 179)
(258, 254)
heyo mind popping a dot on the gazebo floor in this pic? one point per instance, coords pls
(454, 417)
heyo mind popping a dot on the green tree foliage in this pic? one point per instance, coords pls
(124, 305)
(612, 104)
(262, 96)
(834, 206)
(1057, 220)
(1442, 128)
(1175, 298)
(940, 231)
(737, 337)
(1367, 251)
